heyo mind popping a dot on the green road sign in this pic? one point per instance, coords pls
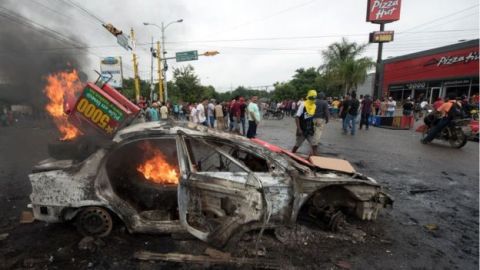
(186, 56)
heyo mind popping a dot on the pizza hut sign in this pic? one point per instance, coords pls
(449, 60)
(383, 11)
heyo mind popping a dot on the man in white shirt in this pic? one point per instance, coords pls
(211, 113)
(193, 114)
(163, 111)
(202, 119)
(253, 115)
(391, 106)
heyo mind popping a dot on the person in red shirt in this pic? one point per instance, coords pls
(235, 110)
(439, 102)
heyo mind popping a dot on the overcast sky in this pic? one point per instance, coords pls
(260, 42)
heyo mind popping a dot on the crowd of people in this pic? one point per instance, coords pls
(240, 115)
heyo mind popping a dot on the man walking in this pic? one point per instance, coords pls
(320, 118)
(253, 115)
(352, 112)
(202, 119)
(219, 116)
(366, 111)
(304, 122)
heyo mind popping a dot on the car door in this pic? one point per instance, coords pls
(216, 195)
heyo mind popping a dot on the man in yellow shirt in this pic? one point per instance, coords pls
(335, 106)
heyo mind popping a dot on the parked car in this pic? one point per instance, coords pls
(170, 177)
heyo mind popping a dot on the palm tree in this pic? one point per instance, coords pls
(342, 65)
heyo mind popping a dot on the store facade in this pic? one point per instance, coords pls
(433, 73)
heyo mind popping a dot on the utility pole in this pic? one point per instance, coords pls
(165, 65)
(160, 79)
(135, 71)
(152, 87)
(377, 88)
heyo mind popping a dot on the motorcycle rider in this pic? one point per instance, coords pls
(446, 111)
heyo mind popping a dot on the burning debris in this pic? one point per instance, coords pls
(61, 89)
(156, 168)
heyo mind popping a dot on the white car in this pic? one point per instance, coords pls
(170, 177)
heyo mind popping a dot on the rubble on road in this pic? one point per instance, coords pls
(213, 258)
(26, 217)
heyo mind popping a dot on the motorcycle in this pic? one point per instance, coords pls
(455, 133)
(273, 114)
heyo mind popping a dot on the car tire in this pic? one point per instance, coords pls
(94, 221)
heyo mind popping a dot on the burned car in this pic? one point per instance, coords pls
(173, 177)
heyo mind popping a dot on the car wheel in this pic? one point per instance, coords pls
(94, 221)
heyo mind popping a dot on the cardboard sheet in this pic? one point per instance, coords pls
(332, 164)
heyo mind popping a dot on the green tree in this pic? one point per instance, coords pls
(187, 85)
(284, 90)
(343, 66)
(128, 89)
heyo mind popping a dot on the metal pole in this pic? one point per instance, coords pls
(151, 71)
(135, 71)
(137, 83)
(378, 88)
(160, 80)
(165, 66)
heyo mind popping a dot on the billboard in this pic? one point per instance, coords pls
(112, 67)
(383, 11)
(381, 36)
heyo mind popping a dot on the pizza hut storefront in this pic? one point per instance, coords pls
(433, 73)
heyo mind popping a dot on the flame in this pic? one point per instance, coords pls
(62, 87)
(157, 169)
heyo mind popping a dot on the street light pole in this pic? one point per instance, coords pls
(164, 52)
(165, 65)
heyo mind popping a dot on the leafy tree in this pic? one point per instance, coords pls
(187, 85)
(343, 66)
(128, 89)
(284, 90)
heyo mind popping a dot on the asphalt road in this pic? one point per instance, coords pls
(402, 164)
(432, 230)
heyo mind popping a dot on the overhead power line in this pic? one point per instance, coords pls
(266, 17)
(438, 19)
(17, 18)
(84, 10)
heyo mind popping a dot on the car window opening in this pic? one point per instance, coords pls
(145, 174)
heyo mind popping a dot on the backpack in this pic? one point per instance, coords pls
(455, 111)
(306, 124)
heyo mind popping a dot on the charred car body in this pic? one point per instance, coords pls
(169, 177)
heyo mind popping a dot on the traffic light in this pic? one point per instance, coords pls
(210, 53)
(154, 52)
(112, 29)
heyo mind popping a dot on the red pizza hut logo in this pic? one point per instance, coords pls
(381, 11)
(449, 60)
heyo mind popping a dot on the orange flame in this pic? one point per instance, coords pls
(62, 86)
(157, 169)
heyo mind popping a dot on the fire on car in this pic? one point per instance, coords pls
(175, 177)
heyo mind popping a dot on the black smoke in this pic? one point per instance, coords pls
(28, 52)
